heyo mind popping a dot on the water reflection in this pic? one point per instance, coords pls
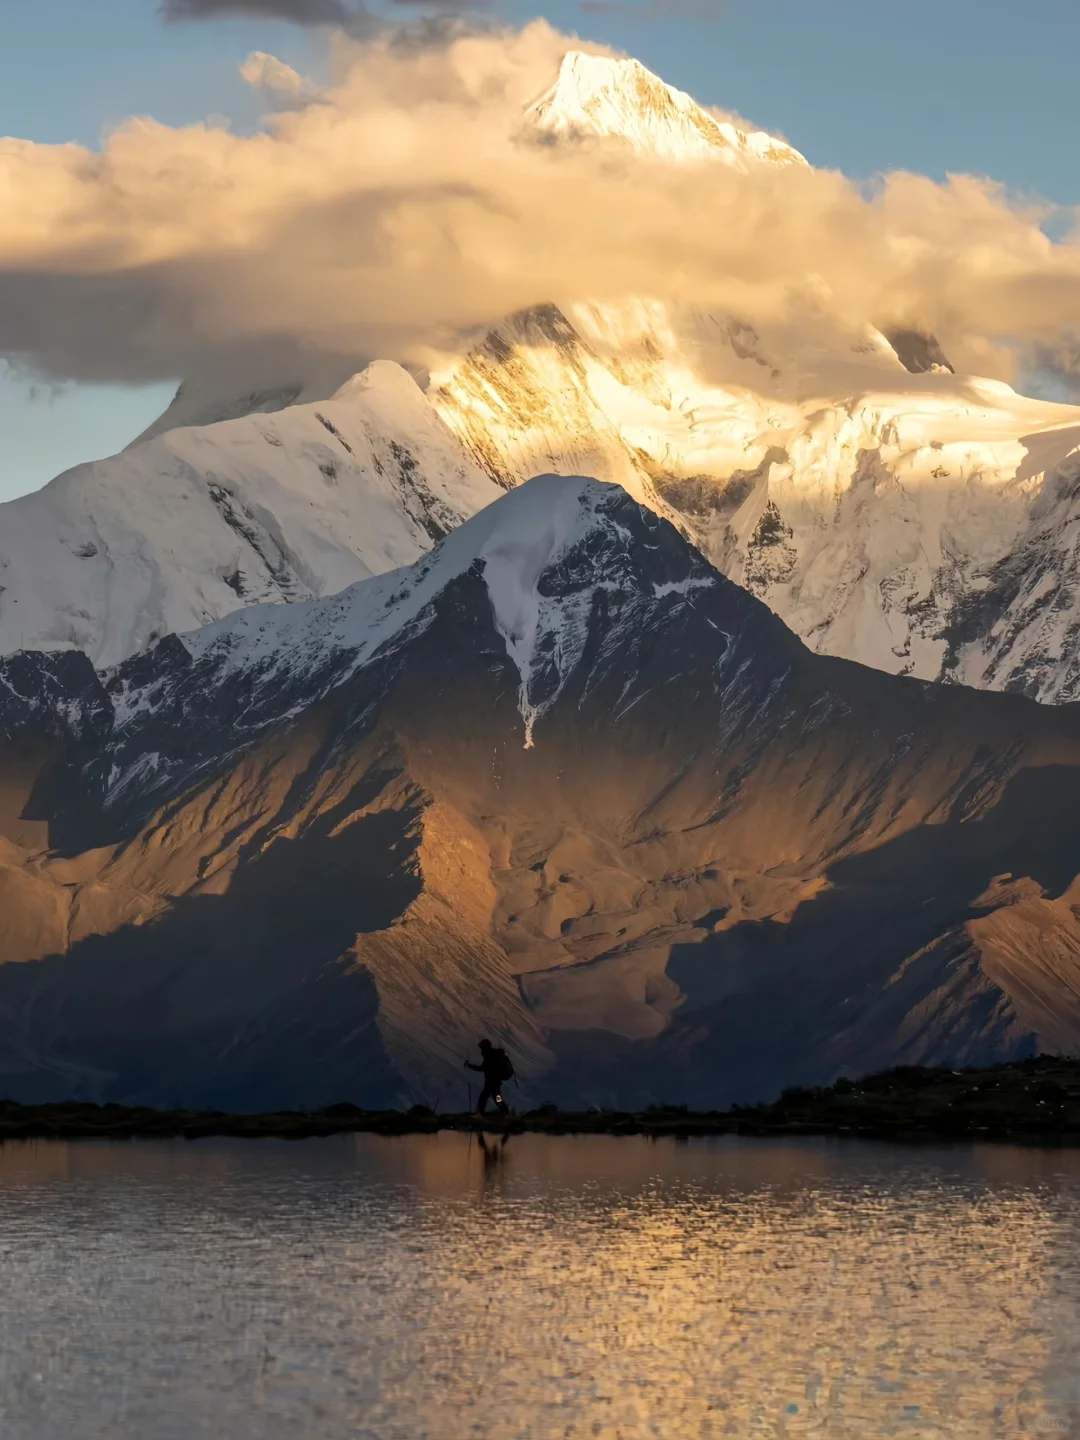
(448, 1286)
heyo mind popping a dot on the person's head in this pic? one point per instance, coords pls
(485, 1046)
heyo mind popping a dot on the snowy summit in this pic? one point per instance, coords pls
(597, 95)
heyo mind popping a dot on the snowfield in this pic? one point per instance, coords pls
(184, 528)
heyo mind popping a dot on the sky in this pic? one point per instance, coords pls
(985, 87)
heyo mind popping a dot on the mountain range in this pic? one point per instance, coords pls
(560, 780)
(889, 510)
(598, 692)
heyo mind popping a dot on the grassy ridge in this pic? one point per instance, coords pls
(1035, 1101)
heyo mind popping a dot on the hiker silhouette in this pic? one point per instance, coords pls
(496, 1068)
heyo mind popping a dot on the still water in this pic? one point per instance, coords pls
(420, 1289)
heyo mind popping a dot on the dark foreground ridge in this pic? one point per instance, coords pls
(1034, 1102)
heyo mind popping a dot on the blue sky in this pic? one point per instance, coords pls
(936, 86)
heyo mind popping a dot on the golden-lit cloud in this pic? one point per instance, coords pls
(404, 208)
(268, 73)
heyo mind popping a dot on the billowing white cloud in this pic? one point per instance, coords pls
(402, 209)
(267, 72)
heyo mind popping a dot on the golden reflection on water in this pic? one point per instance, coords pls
(433, 1288)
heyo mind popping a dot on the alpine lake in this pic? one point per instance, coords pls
(447, 1286)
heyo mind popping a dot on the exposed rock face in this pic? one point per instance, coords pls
(560, 782)
(58, 697)
(917, 352)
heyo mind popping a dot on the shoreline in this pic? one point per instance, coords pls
(1034, 1102)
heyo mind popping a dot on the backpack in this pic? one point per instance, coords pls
(504, 1066)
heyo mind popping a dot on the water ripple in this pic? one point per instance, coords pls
(554, 1289)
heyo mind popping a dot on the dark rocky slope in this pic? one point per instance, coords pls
(309, 854)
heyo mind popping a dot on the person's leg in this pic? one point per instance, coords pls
(500, 1104)
(486, 1094)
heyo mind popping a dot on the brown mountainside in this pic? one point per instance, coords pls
(254, 871)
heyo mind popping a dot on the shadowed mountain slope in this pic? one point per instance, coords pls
(560, 782)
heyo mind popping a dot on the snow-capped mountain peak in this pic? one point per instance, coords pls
(539, 550)
(600, 96)
(593, 97)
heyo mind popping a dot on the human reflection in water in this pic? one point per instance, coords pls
(493, 1152)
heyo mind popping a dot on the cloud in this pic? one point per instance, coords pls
(300, 12)
(1051, 369)
(695, 10)
(350, 16)
(400, 211)
(267, 72)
